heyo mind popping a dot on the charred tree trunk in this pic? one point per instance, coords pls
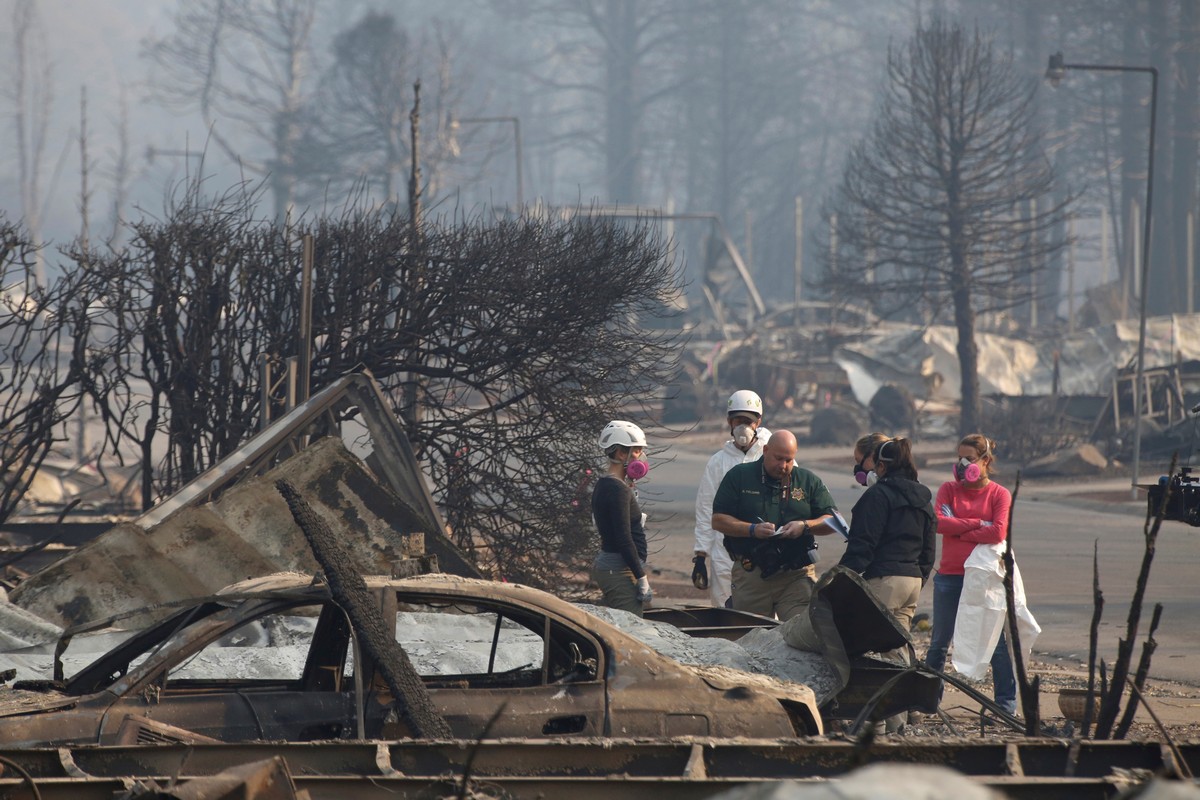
(1028, 689)
(413, 702)
(1089, 709)
(1165, 278)
(1143, 671)
(1185, 129)
(968, 350)
(1110, 703)
(1133, 159)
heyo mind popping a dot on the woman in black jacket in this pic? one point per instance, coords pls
(893, 534)
(893, 530)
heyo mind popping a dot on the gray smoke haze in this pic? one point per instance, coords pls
(735, 108)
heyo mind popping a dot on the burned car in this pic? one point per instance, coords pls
(497, 659)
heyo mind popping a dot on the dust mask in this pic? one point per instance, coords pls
(743, 435)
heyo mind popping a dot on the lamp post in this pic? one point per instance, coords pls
(516, 123)
(1055, 72)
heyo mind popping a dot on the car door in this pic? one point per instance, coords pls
(499, 669)
(276, 675)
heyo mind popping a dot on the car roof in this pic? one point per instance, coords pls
(291, 583)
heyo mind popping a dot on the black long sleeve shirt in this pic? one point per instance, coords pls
(619, 520)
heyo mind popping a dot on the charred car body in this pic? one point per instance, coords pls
(497, 660)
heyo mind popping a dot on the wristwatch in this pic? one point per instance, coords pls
(805, 526)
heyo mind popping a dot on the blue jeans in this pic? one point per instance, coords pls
(946, 591)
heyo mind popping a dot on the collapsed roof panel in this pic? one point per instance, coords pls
(231, 523)
(926, 360)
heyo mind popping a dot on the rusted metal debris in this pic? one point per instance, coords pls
(231, 523)
(556, 670)
(584, 769)
(261, 780)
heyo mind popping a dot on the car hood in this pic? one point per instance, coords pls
(14, 702)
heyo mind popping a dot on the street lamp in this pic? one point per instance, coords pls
(516, 123)
(1055, 72)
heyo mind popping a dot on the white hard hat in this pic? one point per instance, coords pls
(623, 433)
(745, 400)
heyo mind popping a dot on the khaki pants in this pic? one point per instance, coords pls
(785, 594)
(899, 594)
(620, 589)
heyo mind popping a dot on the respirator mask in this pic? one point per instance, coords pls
(636, 469)
(967, 471)
(863, 477)
(743, 435)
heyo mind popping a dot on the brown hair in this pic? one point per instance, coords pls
(896, 456)
(867, 444)
(983, 447)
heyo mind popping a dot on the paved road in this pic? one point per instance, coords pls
(1054, 532)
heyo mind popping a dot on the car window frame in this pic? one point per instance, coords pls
(113, 672)
(526, 615)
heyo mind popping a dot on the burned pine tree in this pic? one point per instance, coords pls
(944, 208)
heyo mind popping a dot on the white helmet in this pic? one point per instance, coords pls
(620, 432)
(745, 400)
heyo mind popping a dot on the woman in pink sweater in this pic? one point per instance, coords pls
(971, 510)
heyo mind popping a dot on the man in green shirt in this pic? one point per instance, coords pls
(769, 511)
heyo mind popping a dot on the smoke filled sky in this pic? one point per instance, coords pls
(742, 109)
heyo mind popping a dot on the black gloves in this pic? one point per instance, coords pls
(699, 573)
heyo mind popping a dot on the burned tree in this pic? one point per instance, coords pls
(945, 205)
(412, 703)
(515, 342)
(187, 304)
(504, 347)
(366, 95)
(246, 65)
(44, 360)
(33, 97)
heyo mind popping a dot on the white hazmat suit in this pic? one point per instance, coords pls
(710, 541)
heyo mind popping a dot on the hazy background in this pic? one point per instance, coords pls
(729, 107)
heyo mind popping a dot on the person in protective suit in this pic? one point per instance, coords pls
(711, 563)
(620, 566)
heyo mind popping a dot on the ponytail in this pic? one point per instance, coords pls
(896, 456)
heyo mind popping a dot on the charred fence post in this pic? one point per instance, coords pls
(413, 703)
(1029, 691)
(1110, 703)
(1143, 671)
(1089, 706)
